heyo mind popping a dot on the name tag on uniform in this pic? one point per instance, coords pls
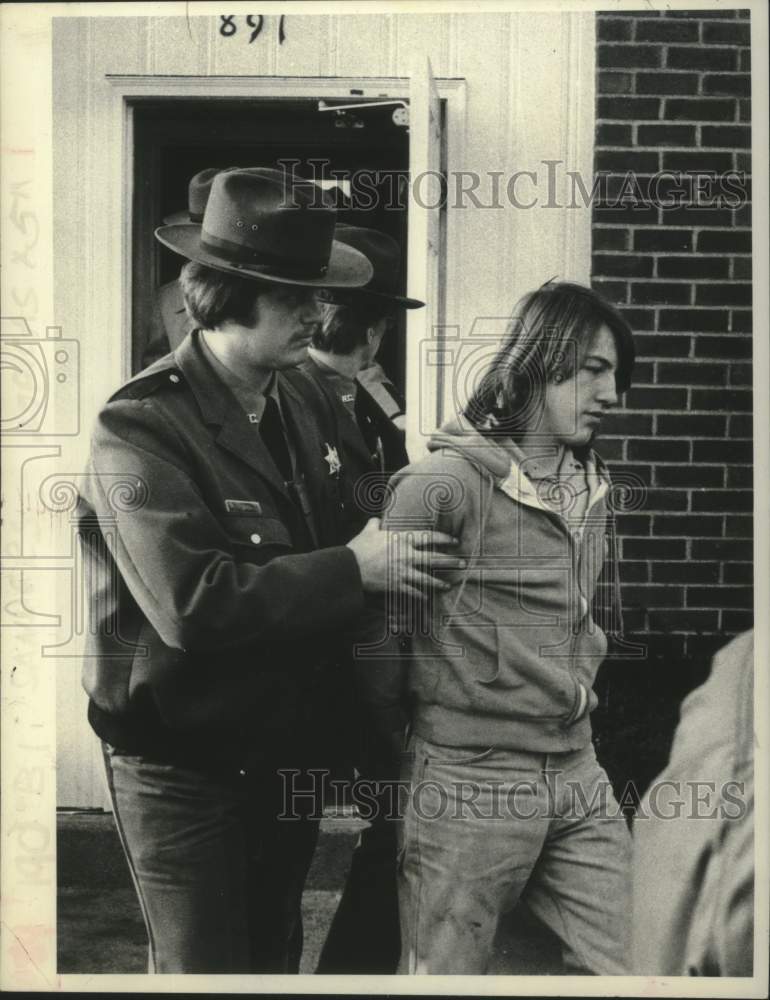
(348, 398)
(243, 506)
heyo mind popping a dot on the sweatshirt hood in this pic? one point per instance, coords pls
(461, 436)
(506, 465)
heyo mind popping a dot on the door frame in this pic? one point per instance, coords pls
(128, 90)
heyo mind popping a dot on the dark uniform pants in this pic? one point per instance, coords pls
(218, 875)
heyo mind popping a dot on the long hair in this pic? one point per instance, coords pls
(548, 336)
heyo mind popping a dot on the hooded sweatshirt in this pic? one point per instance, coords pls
(508, 655)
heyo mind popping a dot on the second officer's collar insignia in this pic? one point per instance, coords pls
(333, 458)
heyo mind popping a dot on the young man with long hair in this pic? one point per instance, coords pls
(507, 799)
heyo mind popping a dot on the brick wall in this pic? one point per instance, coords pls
(673, 94)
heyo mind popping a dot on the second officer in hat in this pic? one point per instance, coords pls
(218, 583)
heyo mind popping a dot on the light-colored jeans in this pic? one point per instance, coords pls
(485, 828)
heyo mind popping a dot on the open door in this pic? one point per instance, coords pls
(425, 197)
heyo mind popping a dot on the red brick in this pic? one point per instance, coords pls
(667, 31)
(739, 573)
(660, 293)
(656, 399)
(730, 346)
(620, 424)
(663, 240)
(634, 572)
(667, 84)
(726, 135)
(627, 215)
(743, 215)
(694, 109)
(722, 399)
(666, 501)
(742, 268)
(624, 161)
(622, 265)
(722, 548)
(653, 548)
(739, 526)
(610, 239)
(685, 572)
(726, 501)
(644, 372)
(740, 477)
(715, 14)
(687, 525)
(737, 621)
(693, 320)
(736, 452)
(719, 597)
(612, 134)
(684, 620)
(679, 214)
(658, 450)
(614, 83)
(614, 29)
(741, 374)
(634, 524)
(638, 319)
(744, 111)
(697, 57)
(731, 84)
(701, 476)
(690, 162)
(612, 291)
(744, 61)
(638, 109)
(722, 294)
(651, 596)
(666, 135)
(741, 321)
(741, 425)
(716, 32)
(693, 267)
(638, 57)
(660, 345)
(691, 373)
(719, 241)
(691, 424)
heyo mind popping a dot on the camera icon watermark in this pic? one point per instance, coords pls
(40, 381)
(497, 365)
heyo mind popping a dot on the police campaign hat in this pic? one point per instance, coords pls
(272, 226)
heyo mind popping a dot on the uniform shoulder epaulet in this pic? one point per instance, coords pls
(165, 373)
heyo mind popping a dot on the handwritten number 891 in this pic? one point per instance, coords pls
(228, 27)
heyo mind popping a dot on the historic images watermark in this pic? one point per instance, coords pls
(551, 184)
(317, 794)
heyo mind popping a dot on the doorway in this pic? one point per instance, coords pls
(174, 138)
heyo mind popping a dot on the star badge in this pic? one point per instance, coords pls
(333, 458)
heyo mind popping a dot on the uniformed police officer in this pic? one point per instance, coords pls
(218, 584)
(364, 936)
(342, 360)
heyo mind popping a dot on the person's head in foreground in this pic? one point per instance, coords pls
(567, 356)
(263, 249)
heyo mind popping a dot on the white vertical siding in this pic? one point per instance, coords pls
(529, 99)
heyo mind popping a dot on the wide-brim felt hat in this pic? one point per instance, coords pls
(385, 256)
(198, 191)
(269, 225)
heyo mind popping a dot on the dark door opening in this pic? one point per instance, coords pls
(176, 138)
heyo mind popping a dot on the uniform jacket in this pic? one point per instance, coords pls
(214, 594)
(372, 446)
(508, 655)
